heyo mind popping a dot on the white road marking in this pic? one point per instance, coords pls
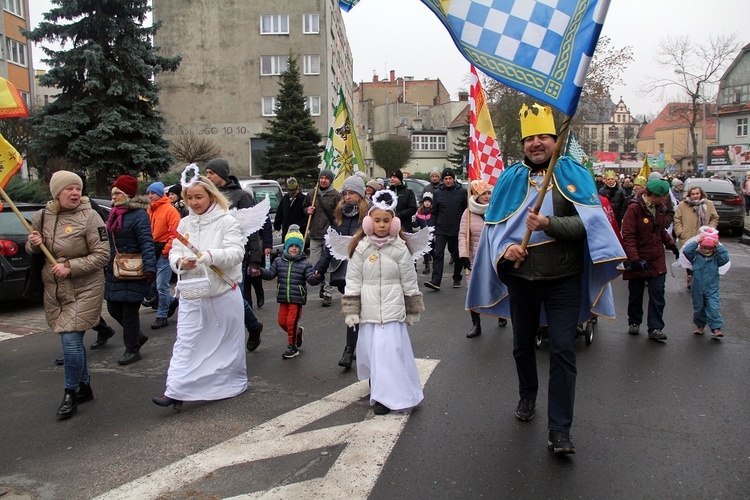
(353, 475)
(8, 336)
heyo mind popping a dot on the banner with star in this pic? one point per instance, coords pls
(342, 154)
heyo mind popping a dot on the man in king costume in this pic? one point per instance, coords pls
(564, 273)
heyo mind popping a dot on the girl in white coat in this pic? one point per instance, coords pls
(382, 296)
(208, 357)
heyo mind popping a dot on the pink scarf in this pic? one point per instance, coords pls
(114, 223)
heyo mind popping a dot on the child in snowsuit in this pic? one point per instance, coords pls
(294, 271)
(706, 255)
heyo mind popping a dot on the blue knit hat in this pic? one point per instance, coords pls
(157, 188)
(294, 237)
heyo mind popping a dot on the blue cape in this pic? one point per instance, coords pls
(505, 224)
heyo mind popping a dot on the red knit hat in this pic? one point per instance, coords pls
(127, 184)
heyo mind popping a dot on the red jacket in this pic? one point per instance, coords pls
(644, 238)
(164, 217)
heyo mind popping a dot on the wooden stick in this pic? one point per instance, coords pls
(309, 217)
(468, 229)
(13, 207)
(547, 178)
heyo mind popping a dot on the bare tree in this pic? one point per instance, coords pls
(698, 68)
(190, 148)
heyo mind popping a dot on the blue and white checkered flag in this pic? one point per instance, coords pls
(542, 48)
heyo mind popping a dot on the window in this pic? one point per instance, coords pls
(269, 106)
(312, 104)
(16, 51)
(310, 24)
(26, 97)
(428, 142)
(13, 6)
(741, 127)
(661, 147)
(277, 24)
(593, 133)
(311, 65)
(613, 132)
(273, 65)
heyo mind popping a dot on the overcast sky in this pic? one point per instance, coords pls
(405, 36)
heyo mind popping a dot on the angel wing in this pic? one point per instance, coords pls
(338, 244)
(419, 243)
(252, 219)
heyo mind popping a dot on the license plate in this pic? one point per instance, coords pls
(717, 202)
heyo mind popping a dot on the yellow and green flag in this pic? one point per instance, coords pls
(10, 162)
(342, 154)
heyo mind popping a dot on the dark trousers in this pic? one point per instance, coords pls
(437, 264)
(656, 301)
(253, 283)
(561, 300)
(126, 313)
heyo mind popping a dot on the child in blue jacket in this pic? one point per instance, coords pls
(706, 255)
(294, 271)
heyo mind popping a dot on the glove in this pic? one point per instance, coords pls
(412, 319)
(644, 265)
(674, 250)
(149, 277)
(635, 265)
(351, 320)
(206, 258)
(465, 263)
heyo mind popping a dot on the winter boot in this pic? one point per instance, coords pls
(476, 328)
(347, 357)
(84, 393)
(68, 406)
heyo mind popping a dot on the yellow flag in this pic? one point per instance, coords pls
(10, 162)
(646, 168)
(12, 104)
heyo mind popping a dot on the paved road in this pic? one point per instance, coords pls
(652, 420)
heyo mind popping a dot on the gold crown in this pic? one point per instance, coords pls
(536, 122)
(610, 174)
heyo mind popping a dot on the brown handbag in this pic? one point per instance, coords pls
(127, 266)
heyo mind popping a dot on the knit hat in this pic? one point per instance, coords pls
(427, 196)
(448, 172)
(62, 179)
(156, 188)
(398, 174)
(127, 184)
(175, 189)
(291, 184)
(654, 175)
(220, 167)
(294, 237)
(372, 183)
(640, 180)
(355, 184)
(677, 182)
(658, 186)
(327, 173)
(710, 241)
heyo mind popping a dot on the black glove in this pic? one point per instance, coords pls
(637, 265)
(674, 250)
(149, 277)
(644, 265)
(465, 263)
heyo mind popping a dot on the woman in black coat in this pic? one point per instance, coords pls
(129, 232)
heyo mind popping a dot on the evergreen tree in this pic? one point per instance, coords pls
(105, 119)
(460, 156)
(293, 141)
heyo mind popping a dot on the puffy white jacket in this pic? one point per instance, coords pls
(219, 232)
(385, 281)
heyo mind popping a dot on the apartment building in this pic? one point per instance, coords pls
(232, 56)
(15, 56)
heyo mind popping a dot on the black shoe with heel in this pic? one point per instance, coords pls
(165, 401)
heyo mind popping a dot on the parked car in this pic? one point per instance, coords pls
(729, 204)
(416, 185)
(14, 261)
(260, 188)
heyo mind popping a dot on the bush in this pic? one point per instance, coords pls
(22, 191)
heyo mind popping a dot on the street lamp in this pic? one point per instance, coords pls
(694, 96)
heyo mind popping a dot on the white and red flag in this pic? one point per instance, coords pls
(485, 158)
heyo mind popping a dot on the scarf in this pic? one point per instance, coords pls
(114, 223)
(350, 209)
(378, 241)
(699, 207)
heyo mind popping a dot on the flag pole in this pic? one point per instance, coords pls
(547, 178)
(468, 228)
(13, 207)
(309, 217)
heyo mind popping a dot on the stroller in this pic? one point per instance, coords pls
(585, 330)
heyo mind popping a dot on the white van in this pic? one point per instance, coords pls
(259, 188)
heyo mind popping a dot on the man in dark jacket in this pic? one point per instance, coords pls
(615, 194)
(434, 181)
(450, 201)
(407, 200)
(217, 171)
(290, 209)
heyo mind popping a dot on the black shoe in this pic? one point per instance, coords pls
(502, 322)
(525, 410)
(142, 340)
(260, 302)
(559, 442)
(347, 358)
(152, 303)
(173, 307)
(159, 323)
(167, 401)
(456, 283)
(426, 270)
(327, 301)
(322, 292)
(634, 329)
(657, 335)
(102, 338)
(84, 393)
(129, 357)
(380, 409)
(431, 285)
(68, 406)
(253, 338)
(59, 361)
(298, 340)
(476, 331)
(291, 352)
